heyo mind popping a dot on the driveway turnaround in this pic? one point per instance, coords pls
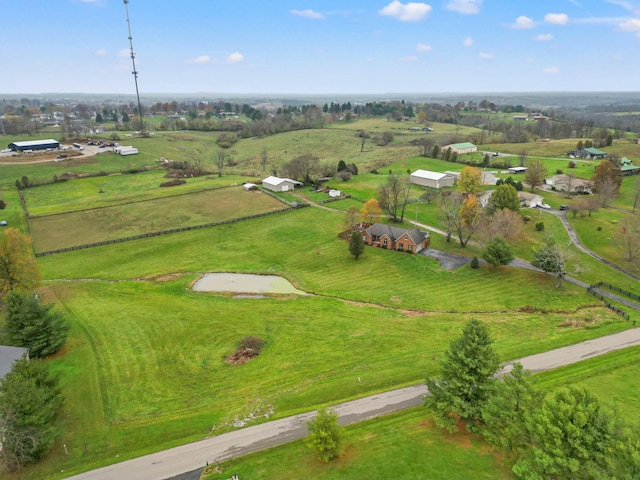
(187, 458)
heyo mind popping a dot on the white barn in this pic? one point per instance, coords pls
(426, 178)
(276, 184)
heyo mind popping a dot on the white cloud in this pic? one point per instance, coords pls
(485, 56)
(575, 2)
(626, 5)
(543, 37)
(200, 59)
(557, 18)
(411, 12)
(125, 52)
(235, 58)
(423, 48)
(524, 22)
(631, 25)
(551, 71)
(468, 42)
(101, 52)
(409, 58)
(464, 6)
(308, 14)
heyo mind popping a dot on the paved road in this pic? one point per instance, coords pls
(186, 458)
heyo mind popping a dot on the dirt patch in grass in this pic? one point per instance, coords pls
(248, 349)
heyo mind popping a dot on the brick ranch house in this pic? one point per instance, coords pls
(394, 238)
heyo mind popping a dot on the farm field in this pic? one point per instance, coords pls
(109, 223)
(144, 366)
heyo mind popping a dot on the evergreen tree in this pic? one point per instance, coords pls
(30, 399)
(467, 378)
(31, 325)
(356, 244)
(498, 252)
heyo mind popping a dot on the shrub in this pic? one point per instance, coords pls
(374, 171)
(474, 262)
(173, 183)
(572, 164)
(599, 228)
(526, 218)
(540, 226)
(3, 204)
(559, 171)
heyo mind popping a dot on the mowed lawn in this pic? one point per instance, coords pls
(144, 366)
(404, 446)
(84, 227)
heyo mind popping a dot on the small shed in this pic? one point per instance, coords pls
(334, 193)
(249, 186)
(8, 355)
(426, 178)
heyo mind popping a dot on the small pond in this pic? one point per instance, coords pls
(244, 283)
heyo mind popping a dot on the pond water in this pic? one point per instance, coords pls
(244, 283)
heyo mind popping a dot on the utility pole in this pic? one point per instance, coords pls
(133, 61)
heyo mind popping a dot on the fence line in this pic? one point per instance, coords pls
(156, 234)
(599, 296)
(598, 370)
(632, 296)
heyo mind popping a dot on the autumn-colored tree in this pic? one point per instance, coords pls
(468, 220)
(470, 180)
(504, 223)
(536, 173)
(18, 267)
(606, 181)
(370, 211)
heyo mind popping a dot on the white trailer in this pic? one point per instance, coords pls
(128, 150)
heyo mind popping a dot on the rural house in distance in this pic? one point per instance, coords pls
(394, 238)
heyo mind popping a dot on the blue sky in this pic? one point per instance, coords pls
(312, 46)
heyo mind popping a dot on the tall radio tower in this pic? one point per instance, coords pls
(133, 61)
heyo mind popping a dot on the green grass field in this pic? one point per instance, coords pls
(88, 226)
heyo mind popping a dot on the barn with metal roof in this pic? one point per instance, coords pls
(34, 145)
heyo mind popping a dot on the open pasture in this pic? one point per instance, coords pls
(84, 227)
(144, 367)
(109, 190)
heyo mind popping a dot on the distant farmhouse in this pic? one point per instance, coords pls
(569, 184)
(394, 238)
(426, 178)
(588, 153)
(276, 184)
(34, 145)
(460, 148)
(628, 168)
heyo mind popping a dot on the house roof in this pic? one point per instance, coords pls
(8, 355)
(271, 180)
(595, 151)
(564, 178)
(429, 175)
(529, 196)
(627, 165)
(463, 145)
(381, 230)
(33, 143)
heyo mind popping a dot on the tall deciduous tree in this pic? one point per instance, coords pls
(393, 196)
(535, 174)
(31, 325)
(504, 196)
(30, 399)
(628, 238)
(370, 211)
(497, 252)
(466, 380)
(356, 244)
(449, 206)
(468, 219)
(606, 181)
(504, 223)
(470, 180)
(18, 268)
(325, 435)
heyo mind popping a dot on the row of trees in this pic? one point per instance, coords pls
(568, 433)
(30, 397)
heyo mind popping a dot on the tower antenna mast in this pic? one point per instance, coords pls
(133, 61)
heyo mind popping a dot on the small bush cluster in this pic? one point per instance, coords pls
(173, 183)
(540, 226)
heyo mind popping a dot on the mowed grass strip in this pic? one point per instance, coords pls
(403, 446)
(89, 226)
